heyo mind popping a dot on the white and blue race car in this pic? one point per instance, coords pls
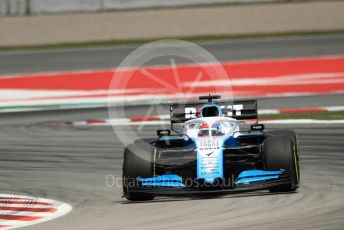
(210, 154)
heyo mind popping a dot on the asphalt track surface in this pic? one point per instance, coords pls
(224, 50)
(71, 164)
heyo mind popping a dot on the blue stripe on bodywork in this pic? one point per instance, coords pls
(167, 177)
(257, 175)
(164, 184)
(255, 179)
(168, 180)
(231, 142)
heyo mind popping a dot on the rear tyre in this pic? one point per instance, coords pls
(137, 162)
(281, 152)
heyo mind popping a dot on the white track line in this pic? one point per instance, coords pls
(286, 121)
(165, 119)
(22, 213)
(303, 121)
(25, 205)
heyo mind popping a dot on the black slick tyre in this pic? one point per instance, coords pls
(281, 152)
(137, 162)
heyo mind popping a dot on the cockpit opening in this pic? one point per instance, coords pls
(211, 111)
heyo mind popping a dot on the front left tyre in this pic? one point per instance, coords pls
(281, 152)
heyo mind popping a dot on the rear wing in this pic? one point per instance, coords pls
(238, 109)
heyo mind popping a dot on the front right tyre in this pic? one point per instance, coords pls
(137, 163)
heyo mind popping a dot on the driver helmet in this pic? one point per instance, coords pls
(203, 130)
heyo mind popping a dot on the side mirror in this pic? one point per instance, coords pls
(163, 132)
(257, 127)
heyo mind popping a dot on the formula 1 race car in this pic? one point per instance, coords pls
(210, 154)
